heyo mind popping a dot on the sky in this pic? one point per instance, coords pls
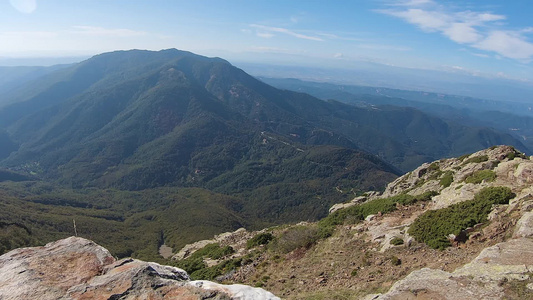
(482, 38)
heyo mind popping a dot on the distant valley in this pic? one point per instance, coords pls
(514, 118)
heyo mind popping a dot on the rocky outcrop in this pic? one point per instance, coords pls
(511, 168)
(498, 268)
(236, 239)
(76, 268)
(483, 278)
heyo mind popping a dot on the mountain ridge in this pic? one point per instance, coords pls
(242, 99)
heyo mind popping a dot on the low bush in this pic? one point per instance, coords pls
(476, 159)
(294, 238)
(191, 265)
(213, 272)
(464, 156)
(214, 251)
(434, 226)
(480, 176)
(446, 179)
(195, 262)
(395, 261)
(357, 213)
(259, 239)
(396, 241)
(515, 153)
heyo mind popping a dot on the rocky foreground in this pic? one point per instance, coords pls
(377, 258)
(76, 268)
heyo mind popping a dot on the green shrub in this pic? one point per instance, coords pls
(357, 213)
(259, 239)
(446, 179)
(195, 262)
(373, 207)
(214, 251)
(439, 243)
(434, 226)
(294, 238)
(396, 241)
(215, 271)
(476, 159)
(354, 273)
(191, 265)
(480, 176)
(395, 261)
(463, 157)
(434, 166)
(515, 153)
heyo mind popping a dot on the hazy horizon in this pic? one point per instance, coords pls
(489, 39)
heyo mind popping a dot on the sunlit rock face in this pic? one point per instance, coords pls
(76, 268)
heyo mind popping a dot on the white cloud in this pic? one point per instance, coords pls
(338, 55)
(462, 33)
(426, 20)
(331, 36)
(481, 55)
(412, 3)
(262, 49)
(508, 44)
(265, 35)
(383, 47)
(24, 6)
(480, 30)
(106, 32)
(286, 31)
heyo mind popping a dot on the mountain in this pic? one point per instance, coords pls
(115, 112)
(13, 78)
(369, 74)
(514, 118)
(149, 148)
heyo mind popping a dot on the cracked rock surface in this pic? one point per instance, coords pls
(77, 268)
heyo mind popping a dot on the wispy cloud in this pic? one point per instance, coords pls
(480, 30)
(383, 47)
(106, 32)
(507, 43)
(331, 36)
(411, 3)
(481, 55)
(262, 49)
(271, 30)
(265, 35)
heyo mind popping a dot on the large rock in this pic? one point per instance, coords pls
(235, 239)
(479, 279)
(512, 259)
(524, 227)
(76, 268)
(438, 285)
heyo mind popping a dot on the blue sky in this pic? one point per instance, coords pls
(484, 38)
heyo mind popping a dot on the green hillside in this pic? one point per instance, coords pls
(150, 147)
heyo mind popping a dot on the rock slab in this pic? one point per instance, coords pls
(77, 268)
